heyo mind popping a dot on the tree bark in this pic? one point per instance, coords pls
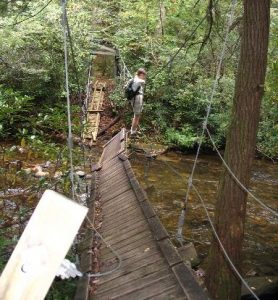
(162, 16)
(230, 210)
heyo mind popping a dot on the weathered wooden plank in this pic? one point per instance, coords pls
(147, 209)
(123, 157)
(113, 153)
(175, 293)
(103, 53)
(112, 194)
(188, 283)
(96, 167)
(140, 273)
(128, 169)
(82, 291)
(128, 194)
(112, 173)
(114, 184)
(140, 249)
(129, 247)
(112, 230)
(132, 265)
(41, 248)
(110, 163)
(116, 136)
(113, 188)
(118, 201)
(147, 288)
(130, 225)
(158, 230)
(86, 261)
(118, 206)
(94, 111)
(126, 234)
(112, 148)
(122, 147)
(129, 244)
(135, 285)
(125, 215)
(114, 163)
(169, 251)
(127, 208)
(102, 47)
(129, 260)
(139, 192)
(95, 130)
(113, 177)
(122, 223)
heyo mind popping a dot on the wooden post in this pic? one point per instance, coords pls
(41, 248)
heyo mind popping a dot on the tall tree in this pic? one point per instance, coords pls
(162, 16)
(230, 211)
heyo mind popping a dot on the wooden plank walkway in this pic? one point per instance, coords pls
(151, 266)
(93, 111)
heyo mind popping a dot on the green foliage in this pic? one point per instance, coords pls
(62, 290)
(178, 90)
(184, 138)
(14, 112)
(147, 33)
(32, 66)
(56, 118)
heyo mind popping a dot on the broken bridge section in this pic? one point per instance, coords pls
(151, 267)
(93, 111)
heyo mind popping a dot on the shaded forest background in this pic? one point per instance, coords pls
(177, 41)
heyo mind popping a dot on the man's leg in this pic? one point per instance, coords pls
(135, 123)
(137, 105)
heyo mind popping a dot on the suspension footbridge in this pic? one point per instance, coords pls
(138, 258)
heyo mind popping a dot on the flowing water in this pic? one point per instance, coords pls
(166, 190)
(165, 181)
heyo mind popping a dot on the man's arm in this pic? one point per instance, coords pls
(137, 85)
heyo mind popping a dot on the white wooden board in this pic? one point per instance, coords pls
(42, 247)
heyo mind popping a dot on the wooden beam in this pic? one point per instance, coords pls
(103, 53)
(102, 47)
(41, 248)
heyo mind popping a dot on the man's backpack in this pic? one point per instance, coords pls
(129, 92)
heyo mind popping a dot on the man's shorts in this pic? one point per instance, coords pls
(137, 104)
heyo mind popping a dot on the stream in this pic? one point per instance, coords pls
(165, 181)
(166, 191)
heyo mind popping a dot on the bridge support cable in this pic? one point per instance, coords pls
(30, 17)
(237, 180)
(70, 143)
(228, 259)
(214, 230)
(70, 140)
(181, 221)
(125, 73)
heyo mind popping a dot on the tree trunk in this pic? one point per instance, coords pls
(162, 16)
(230, 210)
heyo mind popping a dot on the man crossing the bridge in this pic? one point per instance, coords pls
(136, 86)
